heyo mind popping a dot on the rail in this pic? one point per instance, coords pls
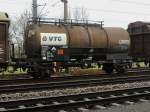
(38, 86)
(78, 102)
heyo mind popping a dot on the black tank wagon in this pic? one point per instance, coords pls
(78, 43)
(75, 44)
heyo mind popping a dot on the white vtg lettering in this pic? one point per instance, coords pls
(55, 38)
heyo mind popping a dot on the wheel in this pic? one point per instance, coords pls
(108, 67)
(39, 70)
(33, 73)
(120, 69)
(44, 73)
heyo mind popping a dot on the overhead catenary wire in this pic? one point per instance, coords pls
(41, 11)
(105, 10)
(132, 2)
(54, 4)
(115, 11)
(13, 2)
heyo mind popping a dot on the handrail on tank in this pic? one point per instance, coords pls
(72, 22)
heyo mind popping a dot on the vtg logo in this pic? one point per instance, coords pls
(52, 38)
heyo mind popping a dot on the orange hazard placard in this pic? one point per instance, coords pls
(60, 52)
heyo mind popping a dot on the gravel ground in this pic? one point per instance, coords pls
(136, 107)
(70, 91)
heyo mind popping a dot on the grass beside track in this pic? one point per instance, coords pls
(17, 72)
(72, 70)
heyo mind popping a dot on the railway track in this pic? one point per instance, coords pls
(131, 72)
(75, 103)
(70, 83)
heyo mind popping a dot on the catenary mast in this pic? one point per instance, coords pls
(65, 9)
(34, 11)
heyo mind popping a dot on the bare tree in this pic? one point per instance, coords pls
(17, 32)
(77, 14)
(18, 25)
(22, 21)
(80, 14)
(84, 14)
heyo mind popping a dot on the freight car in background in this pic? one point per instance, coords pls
(4, 46)
(75, 44)
(140, 40)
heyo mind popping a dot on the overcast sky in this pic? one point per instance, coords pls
(112, 12)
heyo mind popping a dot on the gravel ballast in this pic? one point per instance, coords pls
(70, 91)
(136, 107)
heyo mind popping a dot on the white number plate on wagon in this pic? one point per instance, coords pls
(56, 39)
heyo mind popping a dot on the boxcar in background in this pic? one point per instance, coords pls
(140, 40)
(4, 29)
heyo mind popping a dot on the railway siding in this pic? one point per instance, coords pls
(77, 102)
